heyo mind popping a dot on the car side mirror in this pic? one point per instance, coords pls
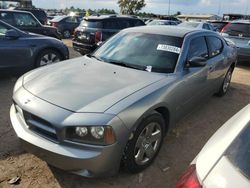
(12, 34)
(197, 62)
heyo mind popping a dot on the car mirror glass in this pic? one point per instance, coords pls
(12, 34)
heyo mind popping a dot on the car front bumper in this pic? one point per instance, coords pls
(83, 159)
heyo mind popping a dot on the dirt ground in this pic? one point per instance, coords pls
(180, 146)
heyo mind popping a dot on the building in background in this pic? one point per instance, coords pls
(199, 17)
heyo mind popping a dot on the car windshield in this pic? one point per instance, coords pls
(189, 24)
(150, 52)
(239, 152)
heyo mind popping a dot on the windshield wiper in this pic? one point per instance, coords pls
(93, 56)
(123, 64)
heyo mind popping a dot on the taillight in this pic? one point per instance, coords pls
(98, 36)
(225, 27)
(189, 179)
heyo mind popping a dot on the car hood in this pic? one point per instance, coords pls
(86, 85)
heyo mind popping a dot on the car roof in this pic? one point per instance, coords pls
(165, 30)
(17, 11)
(241, 21)
(113, 16)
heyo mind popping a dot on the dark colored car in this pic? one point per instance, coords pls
(66, 24)
(239, 33)
(219, 25)
(27, 22)
(95, 29)
(40, 14)
(21, 51)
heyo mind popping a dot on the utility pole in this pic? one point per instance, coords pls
(219, 9)
(169, 4)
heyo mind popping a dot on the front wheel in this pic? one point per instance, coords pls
(48, 57)
(142, 149)
(226, 83)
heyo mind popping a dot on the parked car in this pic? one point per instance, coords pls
(21, 51)
(219, 25)
(239, 33)
(96, 29)
(162, 22)
(224, 161)
(66, 24)
(198, 25)
(26, 21)
(172, 18)
(123, 98)
(40, 14)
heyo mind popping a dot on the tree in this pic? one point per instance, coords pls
(131, 7)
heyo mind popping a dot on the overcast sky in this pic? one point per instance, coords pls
(157, 6)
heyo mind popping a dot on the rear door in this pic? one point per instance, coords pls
(217, 62)
(13, 52)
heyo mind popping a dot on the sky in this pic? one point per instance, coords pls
(157, 6)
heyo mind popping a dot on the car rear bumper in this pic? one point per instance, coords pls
(83, 48)
(90, 161)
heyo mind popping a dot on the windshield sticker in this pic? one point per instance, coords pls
(169, 48)
(149, 68)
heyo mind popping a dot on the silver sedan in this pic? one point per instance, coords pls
(88, 115)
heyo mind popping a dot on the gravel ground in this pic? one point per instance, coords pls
(179, 148)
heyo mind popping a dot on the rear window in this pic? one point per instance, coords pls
(238, 29)
(219, 26)
(91, 24)
(6, 17)
(239, 152)
(189, 24)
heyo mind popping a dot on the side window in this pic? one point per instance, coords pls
(125, 23)
(71, 20)
(111, 24)
(7, 17)
(3, 30)
(215, 46)
(138, 23)
(198, 48)
(25, 20)
(205, 26)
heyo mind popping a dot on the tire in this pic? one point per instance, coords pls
(134, 160)
(47, 57)
(66, 34)
(226, 83)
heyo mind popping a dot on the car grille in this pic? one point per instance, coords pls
(40, 126)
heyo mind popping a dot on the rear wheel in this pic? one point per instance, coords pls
(226, 83)
(142, 149)
(48, 57)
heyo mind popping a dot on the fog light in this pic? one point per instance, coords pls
(97, 132)
(81, 131)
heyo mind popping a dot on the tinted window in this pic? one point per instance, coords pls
(159, 53)
(6, 17)
(24, 20)
(71, 19)
(198, 48)
(239, 152)
(219, 26)
(238, 29)
(138, 23)
(215, 45)
(91, 24)
(205, 26)
(125, 23)
(111, 24)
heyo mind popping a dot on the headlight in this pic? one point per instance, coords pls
(98, 135)
(18, 84)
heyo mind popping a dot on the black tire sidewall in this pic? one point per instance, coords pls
(128, 157)
(221, 91)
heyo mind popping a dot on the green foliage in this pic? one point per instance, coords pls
(131, 7)
(105, 11)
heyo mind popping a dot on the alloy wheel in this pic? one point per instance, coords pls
(49, 58)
